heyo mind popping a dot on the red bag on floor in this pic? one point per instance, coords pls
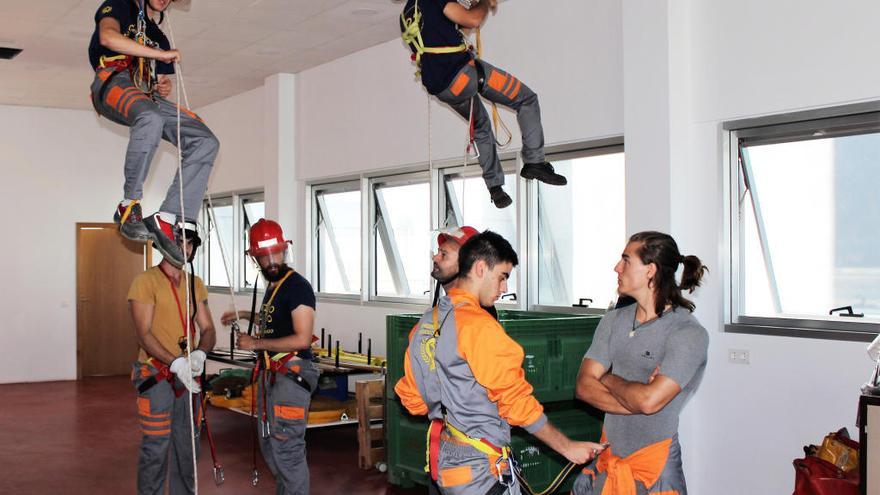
(814, 476)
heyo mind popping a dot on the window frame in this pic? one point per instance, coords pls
(580, 150)
(233, 199)
(314, 263)
(410, 178)
(434, 173)
(790, 127)
(510, 164)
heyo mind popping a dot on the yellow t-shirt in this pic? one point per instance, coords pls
(154, 288)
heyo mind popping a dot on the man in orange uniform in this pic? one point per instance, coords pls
(466, 374)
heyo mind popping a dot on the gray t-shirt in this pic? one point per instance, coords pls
(676, 341)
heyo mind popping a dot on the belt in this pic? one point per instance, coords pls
(163, 373)
(278, 364)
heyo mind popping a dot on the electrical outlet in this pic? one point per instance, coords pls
(738, 356)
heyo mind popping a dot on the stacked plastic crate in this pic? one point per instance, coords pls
(554, 346)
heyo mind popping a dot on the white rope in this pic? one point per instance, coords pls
(179, 76)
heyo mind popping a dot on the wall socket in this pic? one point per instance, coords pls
(738, 356)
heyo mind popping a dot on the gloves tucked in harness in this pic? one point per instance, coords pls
(183, 372)
(197, 359)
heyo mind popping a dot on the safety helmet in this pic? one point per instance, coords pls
(266, 237)
(191, 230)
(458, 235)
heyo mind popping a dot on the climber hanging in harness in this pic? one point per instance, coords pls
(285, 376)
(132, 60)
(163, 374)
(465, 373)
(451, 72)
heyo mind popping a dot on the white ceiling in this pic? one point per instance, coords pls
(228, 46)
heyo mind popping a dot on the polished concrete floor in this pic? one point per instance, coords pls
(82, 437)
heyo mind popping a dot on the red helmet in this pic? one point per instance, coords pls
(266, 238)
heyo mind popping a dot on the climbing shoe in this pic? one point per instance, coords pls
(543, 172)
(131, 222)
(499, 197)
(162, 235)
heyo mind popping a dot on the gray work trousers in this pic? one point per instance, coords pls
(503, 89)
(287, 411)
(150, 120)
(165, 427)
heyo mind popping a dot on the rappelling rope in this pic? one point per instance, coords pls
(179, 76)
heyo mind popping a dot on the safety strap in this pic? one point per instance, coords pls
(163, 372)
(127, 211)
(219, 475)
(278, 364)
(412, 35)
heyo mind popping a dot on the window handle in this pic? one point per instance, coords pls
(849, 312)
(581, 303)
(509, 295)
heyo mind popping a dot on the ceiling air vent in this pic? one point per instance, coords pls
(8, 53)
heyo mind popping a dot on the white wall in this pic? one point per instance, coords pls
(57, 167)
(750, 58)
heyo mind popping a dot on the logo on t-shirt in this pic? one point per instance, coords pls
(647, 355)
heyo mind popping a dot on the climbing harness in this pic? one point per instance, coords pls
(412, 36)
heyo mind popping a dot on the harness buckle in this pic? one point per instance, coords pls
(255, 477)
(505, 478)
(219, 476)
(472, 150)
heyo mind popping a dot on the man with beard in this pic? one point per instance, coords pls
(286, 375)
(161, 375)
(445, 262)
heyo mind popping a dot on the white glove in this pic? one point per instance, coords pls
(182, 371)
(197, 359)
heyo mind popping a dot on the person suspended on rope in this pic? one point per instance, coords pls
(465, 373)
(451, 72)
(132, 60)
(286, 377)
(162, 374)
(645, 360)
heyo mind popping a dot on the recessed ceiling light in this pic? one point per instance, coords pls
(364, 12)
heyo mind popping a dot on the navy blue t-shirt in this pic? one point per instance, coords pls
(438, 69)
(276, 320)
(126, 13)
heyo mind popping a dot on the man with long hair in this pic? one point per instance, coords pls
(645, 360)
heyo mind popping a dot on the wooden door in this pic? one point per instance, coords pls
(106, 264)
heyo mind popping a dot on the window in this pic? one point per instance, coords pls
(401, 237)
(337, 238)
(373, 236)
(467, 202)
(215, 269)
(234, 215)
(581, 229)
(804, 210)
(253, 208)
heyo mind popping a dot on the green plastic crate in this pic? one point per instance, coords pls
(554, 346)
(405, 445)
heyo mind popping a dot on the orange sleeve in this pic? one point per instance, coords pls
(496, 361)
(406, 387)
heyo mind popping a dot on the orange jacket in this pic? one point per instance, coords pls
(472, 367)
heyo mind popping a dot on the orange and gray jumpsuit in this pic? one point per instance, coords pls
(463, 368)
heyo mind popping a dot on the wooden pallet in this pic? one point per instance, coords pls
(370, 396)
